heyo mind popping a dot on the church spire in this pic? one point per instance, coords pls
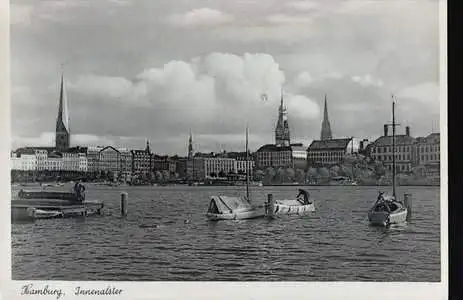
(326, 127)
(282, 137)
(62, 134)
(190, 146)
(147, 149)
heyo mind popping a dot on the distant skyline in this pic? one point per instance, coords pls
(138, 70)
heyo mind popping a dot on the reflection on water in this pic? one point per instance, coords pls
(165, 236)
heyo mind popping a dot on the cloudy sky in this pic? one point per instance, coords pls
(145, 69)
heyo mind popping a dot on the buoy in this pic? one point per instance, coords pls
(124, 197)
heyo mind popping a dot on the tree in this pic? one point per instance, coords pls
(334, 171)
(213, 174)
(269, 175)
(165, 175)
(324, 173)
(259, 175)
(222, 174)
(300, 176)
(280, 175)
(158, 176)
(290, 175)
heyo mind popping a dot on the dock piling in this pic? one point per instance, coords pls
(124, 197)
(270, 205)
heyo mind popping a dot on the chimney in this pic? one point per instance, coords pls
(407, 131)
(385, 129)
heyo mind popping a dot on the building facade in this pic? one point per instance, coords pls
(274, 156)
(405, 152)
(428, 154)
(328, 152)
(142, 161)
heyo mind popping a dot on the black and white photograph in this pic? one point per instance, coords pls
(225, 141)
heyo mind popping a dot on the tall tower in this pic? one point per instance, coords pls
(190, 146)
(326, 127)
(147, 148)
(282, 137)
(63, 135)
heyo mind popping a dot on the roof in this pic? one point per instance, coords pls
(31, 150)
(399, 140)
(273, 148)
(432, 138)
(332, 144)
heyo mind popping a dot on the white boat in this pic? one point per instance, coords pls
(387, 209)
(35, 213)
(287, 207)
(235, 208)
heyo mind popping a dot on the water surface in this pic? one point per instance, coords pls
(154, 242)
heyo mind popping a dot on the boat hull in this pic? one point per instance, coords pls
(385, 219)
(282, 209)
(252, 214)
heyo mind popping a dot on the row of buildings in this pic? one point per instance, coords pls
(327, 151)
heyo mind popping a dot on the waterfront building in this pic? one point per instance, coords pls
(93, 153)
(405, 152)
(161, 163)
(299, 156)
(23, 162)
(110, 160)
(328, 152)
(274, 156)
(142, 161)
(326, 133)
(428, 154)
(205, 167)
(63, 134)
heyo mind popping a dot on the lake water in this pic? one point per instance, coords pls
(333, 244)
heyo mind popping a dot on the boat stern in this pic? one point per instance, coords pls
(378, 218)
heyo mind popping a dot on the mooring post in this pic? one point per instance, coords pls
(270, 205)
(124, 197)
(408, 205)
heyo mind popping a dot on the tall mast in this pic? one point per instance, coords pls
(393, 146)
(247, 166)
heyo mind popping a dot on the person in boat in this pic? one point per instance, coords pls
(79, 191)
(306, 196)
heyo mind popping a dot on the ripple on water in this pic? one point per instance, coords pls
(334, 243)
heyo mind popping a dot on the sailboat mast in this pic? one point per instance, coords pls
(247, 166)
(393, 147)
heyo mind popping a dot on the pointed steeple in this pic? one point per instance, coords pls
(282, 137)
(190, 146)
(62, 121)
(326, 127)
(147, 149)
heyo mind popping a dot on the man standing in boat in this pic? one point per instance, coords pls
(306, 196)
(79, 191)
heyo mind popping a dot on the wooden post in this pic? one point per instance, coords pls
(124, 197)
(270, 206)
(408, 205)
